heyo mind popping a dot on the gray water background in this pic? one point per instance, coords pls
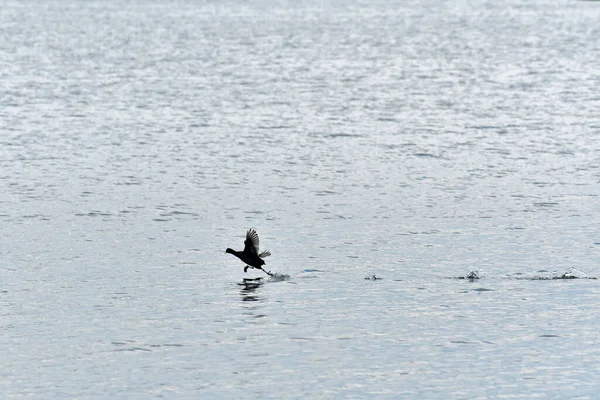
(412, 141)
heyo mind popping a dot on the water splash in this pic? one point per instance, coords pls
(277, 277)
(569, 273)
(472, 275)
(372, 277)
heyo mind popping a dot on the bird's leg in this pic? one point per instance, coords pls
(266, 272)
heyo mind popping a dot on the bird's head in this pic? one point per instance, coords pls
(228, 250)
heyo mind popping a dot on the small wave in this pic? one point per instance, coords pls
(426, 155)
(342, 135)
(132, 349)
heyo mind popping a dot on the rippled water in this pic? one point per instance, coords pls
(383, 151)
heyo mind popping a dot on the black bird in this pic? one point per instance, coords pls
(250, 255)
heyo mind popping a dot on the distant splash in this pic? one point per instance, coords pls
(569, 273)
(471, 275)
(475, 274)
(372, 277)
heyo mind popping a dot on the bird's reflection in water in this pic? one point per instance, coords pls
(249, 289)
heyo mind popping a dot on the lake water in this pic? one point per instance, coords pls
(383, 150)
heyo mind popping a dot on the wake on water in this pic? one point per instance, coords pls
(273, 277)
(569, 273)
(473, 275)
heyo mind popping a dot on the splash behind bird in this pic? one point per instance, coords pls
(250, 255)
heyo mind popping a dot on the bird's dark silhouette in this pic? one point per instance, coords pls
(250, 255)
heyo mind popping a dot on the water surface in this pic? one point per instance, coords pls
(413, 142)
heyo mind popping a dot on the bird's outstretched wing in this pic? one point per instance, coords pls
(264, 254)
(251, 242)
